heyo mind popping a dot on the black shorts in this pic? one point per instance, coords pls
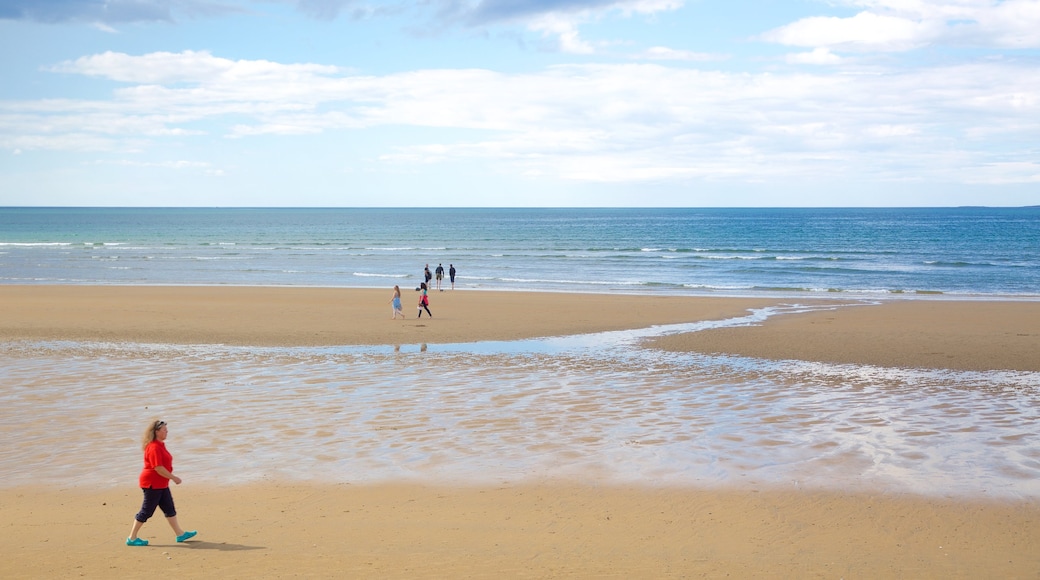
(156, 498)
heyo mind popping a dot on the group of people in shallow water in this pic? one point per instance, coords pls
(440, 275)
(424, 291)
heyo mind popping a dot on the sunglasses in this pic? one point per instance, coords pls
(159, 425)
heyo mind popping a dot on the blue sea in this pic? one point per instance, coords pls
(988, 252)
(597, 409)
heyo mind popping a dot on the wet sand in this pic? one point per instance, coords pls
(551, 529)
(962, 335)
(955, 334)
(267, 316)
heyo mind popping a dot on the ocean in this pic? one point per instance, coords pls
(978, 252)
(596, 408)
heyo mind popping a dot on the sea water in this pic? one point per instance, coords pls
(954, 251)
(593, 408)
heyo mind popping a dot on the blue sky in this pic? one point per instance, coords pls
(520, 103)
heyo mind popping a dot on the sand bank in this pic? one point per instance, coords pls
(966, 335)
(269, 316)
(937, 334)
(553, 531)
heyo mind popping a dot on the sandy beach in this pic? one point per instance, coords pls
(266, 316)
(550, 529)
(936, 334)
(966, 335)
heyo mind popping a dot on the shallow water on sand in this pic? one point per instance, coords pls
(595, 408)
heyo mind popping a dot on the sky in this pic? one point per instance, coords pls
(519, 103)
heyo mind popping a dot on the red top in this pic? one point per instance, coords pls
(155, 454)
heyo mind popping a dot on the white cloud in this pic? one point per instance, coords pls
(178, 165)
(565, 30)
(817, 56)
(559, 20)
(1003, 173)
(890, 131)
(187, 66)
(897, 25)
(865, 31)
(664, 53)
(598, 123)
(1012, 24)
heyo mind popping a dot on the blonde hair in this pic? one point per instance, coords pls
(149, 432)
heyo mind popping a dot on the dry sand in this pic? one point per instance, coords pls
(551, 531)
(556, 529)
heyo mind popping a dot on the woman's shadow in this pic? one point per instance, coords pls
(221, 546)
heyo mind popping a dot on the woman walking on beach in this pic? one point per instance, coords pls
(155, 483)
(424, 300)
(396, 301)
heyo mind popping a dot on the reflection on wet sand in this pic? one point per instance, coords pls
(597, 407)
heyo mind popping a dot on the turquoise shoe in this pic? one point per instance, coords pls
(186, 536)
(136, 542)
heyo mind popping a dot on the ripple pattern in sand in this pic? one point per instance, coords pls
(72, 412)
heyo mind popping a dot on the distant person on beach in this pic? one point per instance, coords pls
(424, 301)
(396, 301)
(451, 274)
(155, 481)
(440, 276)
(427, 275)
